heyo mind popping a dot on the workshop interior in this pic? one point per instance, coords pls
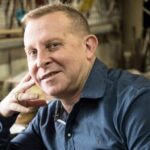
(121, 26)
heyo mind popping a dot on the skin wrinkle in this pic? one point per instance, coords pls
(60, 57)
(73, 70)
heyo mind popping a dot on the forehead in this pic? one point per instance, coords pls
(48, 25)
(58, 19)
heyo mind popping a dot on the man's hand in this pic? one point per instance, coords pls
(18, 100)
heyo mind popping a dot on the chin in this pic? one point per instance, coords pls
(54, 90)
(51, 91)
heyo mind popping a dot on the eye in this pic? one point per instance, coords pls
(32, 53)
(53, 46)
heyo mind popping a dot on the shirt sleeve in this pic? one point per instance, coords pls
(29, 139)
(5, 124)
(134, 119)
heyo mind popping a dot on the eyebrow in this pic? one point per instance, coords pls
(53, 39)
(44, 42)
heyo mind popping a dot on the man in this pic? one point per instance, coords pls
(94, 108)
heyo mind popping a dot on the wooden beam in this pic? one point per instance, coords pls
(17, 31)
(11, 43)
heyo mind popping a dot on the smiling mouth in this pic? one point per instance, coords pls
(49, 75)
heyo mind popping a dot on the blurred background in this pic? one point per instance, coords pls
(122, 27)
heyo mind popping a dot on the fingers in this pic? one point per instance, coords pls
(27, 77)
(36, 103)
(22, 87)
(24, 103)
(27, 85)
(19, 100)
(30, 100)
(19, 108)
(27, 96)
(26, 82)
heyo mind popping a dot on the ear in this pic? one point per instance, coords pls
(91, 45)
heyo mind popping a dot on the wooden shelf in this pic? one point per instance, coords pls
(17, 31)
(11, 43)
(101, 28)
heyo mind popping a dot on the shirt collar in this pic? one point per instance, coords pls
(96, 83)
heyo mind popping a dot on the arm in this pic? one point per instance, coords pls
(137, 130)
(28, 139)
(10, 106)
(133, 121)
(5, 124)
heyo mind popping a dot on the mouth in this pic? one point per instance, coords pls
(49, 75)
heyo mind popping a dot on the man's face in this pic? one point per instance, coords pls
(57, 58)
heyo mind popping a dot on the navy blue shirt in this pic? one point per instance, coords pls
(113, 113)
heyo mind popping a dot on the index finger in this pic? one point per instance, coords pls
(27, 85)
(26, 78)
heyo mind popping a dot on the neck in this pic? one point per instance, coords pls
(72, 100)
(69, 103)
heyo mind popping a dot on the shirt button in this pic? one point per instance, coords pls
(1, 127)
(69, 135)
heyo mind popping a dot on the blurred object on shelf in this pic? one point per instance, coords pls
(66, 1)
(146, 14)
(147, 74)
(85, 6)
(146, 51)
(13, 11)
(139, 56)
(11, 33)
(137, 72)
(134, 71)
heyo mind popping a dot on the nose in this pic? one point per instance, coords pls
(43, 59)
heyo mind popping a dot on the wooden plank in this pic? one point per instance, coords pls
(101, 28)
(11, 43)
(18, 31)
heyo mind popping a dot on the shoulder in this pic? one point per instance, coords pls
(127, 83)
(131, 92)
(129, 88)
(131, 118)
